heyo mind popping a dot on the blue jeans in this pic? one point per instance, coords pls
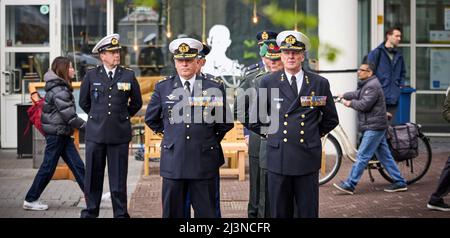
(374, 142)
(57, 146)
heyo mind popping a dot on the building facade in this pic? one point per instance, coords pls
(33, 32)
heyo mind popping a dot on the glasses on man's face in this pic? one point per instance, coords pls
(363, 70)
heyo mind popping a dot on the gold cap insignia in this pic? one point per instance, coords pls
(265, 36)
(290, 39)
(183, 48)
(271, 46)
(114, 41)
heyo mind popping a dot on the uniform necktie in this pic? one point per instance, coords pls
(294, 85)
(187, 87)
(110, 75)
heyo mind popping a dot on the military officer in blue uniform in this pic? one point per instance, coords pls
(202, 60)
(110, 95)
(300, 114)
(181, 108)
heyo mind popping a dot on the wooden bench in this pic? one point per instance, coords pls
(233, 145)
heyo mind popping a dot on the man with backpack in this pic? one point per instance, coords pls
(369, 101)
(436, 201)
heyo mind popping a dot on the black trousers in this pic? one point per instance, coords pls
(202, 193)
(97, 154)
(284, 190)
(263, 203)
(443, 187)
(253, 200)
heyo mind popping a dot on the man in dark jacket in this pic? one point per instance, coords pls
(301, 110)
(368, 100)
(436, 201)
(110, 95)
(389, 68)
(190, 111)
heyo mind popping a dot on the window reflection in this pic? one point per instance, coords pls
(141, 36)
(78, 39)
(27, 25)
(431, 23)
(429, 113)
(397, 14)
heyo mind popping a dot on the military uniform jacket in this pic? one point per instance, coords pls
(110, 104)
(251, 81)
(295, 148)
(189, 149)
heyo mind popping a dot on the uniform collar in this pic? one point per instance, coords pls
(191, 81)
(107, 71)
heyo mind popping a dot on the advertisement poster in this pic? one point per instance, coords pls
(439, 68)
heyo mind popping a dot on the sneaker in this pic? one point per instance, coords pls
(439, 206)
(396, 187)
(35, 206)
(344, 188)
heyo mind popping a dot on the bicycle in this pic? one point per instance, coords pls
(336, 145)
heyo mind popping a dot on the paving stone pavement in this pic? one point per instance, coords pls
(64, 197)
(369, 201)
(144, 193)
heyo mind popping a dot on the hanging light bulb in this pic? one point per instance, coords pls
(255, 15)
(295, 12)
(169, 31)
(204, 21)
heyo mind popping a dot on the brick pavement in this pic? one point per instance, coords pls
(64, 197)
(369, 200)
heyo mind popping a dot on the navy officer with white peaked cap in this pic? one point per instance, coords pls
(110, 95)
(303, 112)
(190, 150)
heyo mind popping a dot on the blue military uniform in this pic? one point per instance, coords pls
(294, 151)
(109, 103)
(190, 151)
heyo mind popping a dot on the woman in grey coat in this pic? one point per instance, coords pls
(58, 119)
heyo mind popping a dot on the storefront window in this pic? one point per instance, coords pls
(433, 68)
(142, 36)
(27, 25)
(397, 14)
(433, 21)
(429, 113)
(83, 25)
(363, 29)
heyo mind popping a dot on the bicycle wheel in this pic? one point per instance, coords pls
(414, 169)
(331, 159)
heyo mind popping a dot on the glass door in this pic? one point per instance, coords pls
(28, 41)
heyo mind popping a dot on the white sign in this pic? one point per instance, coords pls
(439, 68)
(447, 19)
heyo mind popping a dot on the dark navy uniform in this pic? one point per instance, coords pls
(294, 151)
(190, 151)
(109, 104)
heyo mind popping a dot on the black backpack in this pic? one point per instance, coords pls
(403, 140)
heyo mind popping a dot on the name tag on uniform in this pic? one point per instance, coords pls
(313, 101)
(124, 86)
(97, 84)
(278, 99)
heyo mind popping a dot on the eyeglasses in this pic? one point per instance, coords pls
(365, 70)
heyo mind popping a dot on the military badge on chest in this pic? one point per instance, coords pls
(124, 86)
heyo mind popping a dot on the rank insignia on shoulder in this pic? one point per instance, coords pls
(216, 79)
(313, 101)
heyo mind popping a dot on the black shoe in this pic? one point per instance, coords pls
(439, 206)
